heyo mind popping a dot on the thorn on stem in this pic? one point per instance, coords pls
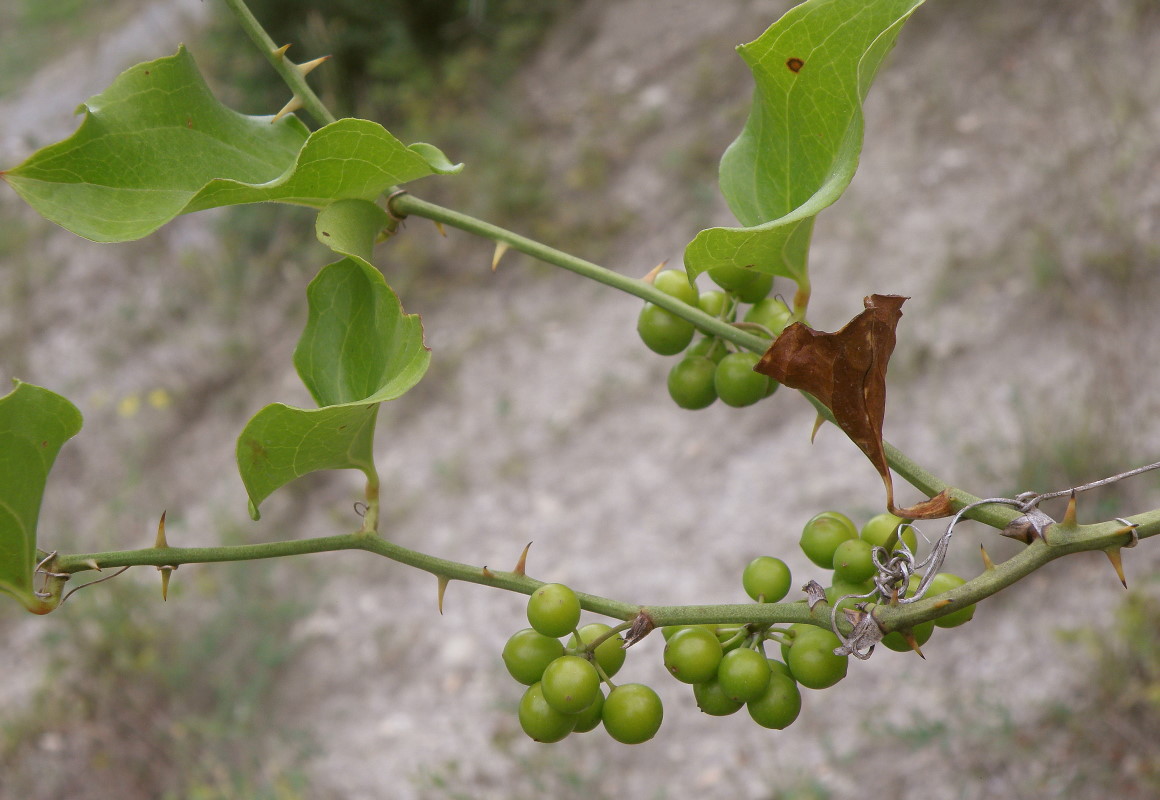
(1069, 515)
(1113, 554)
(500, 249)
(439, 227)
(443, 581)
(910, 640)
(652, 273)
(161, 541)
(817, 426)
(522, 564)
(308, 67)
(281, 51)
(294, 104)
(988, 564)
(487, 573)
(165, 571)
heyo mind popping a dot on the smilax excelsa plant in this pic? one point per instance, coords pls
(156, 144)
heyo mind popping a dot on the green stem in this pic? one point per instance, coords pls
(286, 69)
(409, 205)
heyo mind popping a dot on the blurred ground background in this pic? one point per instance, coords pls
(1010, 185)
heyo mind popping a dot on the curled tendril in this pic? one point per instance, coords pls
(894, 571)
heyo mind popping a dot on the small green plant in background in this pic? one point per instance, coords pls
(147, 703)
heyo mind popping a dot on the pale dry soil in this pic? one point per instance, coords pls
(1008, 186)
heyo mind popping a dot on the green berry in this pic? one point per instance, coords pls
(711, 699)
(540, 721)
(812, 661)
(771, 313)
(766, 579)
(779, 705)
(676, 284)
(879, 528)
(692, 655)
(735, 381)
(609, 654)
(632, 713)
(528, 653)
(691, 382)
(756, 290)
(662, 331)
(554, 610)
(779, 668)
(853, 562)
(822, 535)
(743, 674)
(570, 684)
(714, 303)
(841, 589)
(945, 582)
(897, 642)
(710, 347)
(732, 279)
(589, 718)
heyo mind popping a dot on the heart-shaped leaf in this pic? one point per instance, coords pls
(157, 144)
(800, 146)
(34, 424)
(846, 372)
(358, 350)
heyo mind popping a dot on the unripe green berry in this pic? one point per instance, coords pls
(554, 610)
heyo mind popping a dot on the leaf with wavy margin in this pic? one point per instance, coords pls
(800, 146)
(358, 349)
(157, 144)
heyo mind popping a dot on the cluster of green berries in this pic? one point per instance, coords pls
(564, 692)
(832, 541)
(727, 665)
(711, 368)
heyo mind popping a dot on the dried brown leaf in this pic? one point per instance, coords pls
(846, 372)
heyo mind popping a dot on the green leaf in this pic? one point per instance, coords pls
(350, 227)
(358, 350)
(157, 144)
(34, 424)
(800, 146)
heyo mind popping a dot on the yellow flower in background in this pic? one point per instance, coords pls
(129, 405)
(159, 398)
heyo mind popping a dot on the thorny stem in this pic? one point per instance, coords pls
(1061, 541)
(287, 70)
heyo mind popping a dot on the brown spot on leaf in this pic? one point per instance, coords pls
(795, 64)
(846, 372)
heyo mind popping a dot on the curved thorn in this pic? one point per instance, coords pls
(1113, 554)
(522, 564)
(161, 541)
(500, 249)
(443, 581)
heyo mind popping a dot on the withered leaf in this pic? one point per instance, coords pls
(846, 372)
